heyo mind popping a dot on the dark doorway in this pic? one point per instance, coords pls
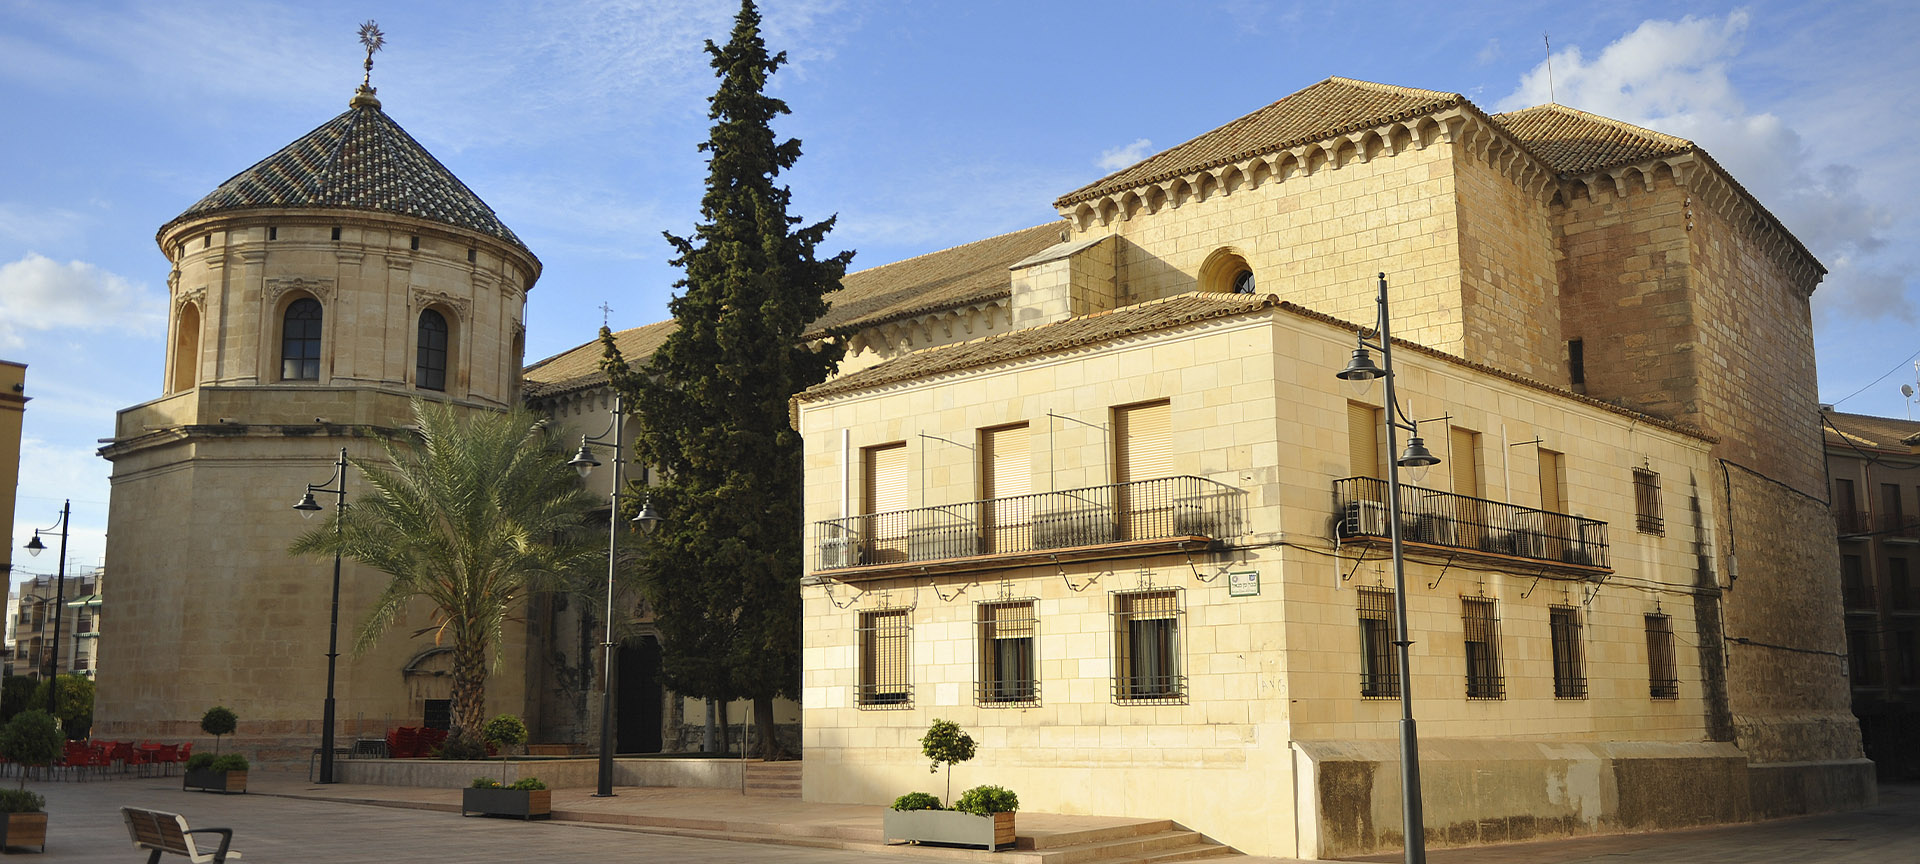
(637, 716)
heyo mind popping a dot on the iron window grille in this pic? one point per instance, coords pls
(1663, 681)
(1482, 625)
(1146, 648)
(1569, 656)
(884, 636)
(1646, 502)
(1009, 666)
(1379, 663)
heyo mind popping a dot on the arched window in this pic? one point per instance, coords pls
(1226, 270)
(186, 348)
(300, 341)
(1243, 282)
(430, 367)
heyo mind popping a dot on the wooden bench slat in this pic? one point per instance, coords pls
(167, 832)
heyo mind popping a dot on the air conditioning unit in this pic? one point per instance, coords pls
(838, 552)
(1364, 519)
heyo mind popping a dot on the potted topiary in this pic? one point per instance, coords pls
(982, 817)
(525, 798)
(507, 732)
(218, 721)
(210, 773)
(31, 738)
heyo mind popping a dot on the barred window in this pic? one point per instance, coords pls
(884, 636)
(1379, 664)
(1662, 679)
(1646, 502)
(1569, 657)
(1484, 680)
(1146, 637)
(1008, 674)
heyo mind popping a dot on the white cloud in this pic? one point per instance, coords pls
(50, 476)
(1120, 157)
(1673, 77)
(39, 293)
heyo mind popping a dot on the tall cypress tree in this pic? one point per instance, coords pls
(723, 572)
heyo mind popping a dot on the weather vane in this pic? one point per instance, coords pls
(371, 37)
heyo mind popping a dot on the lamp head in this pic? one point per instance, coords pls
(583, 461)
(307, 505)
(35, 547)
(648, 519)
(1360, 371)
(1417, 459)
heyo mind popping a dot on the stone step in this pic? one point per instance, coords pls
(773, 779)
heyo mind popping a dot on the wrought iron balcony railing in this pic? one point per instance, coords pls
(1472, 525)
(1166, 508)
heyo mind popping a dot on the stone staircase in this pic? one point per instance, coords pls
(773, 779)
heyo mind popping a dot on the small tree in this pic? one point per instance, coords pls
(218, 721)
(76, 703)
(16, 695)
(30, 738)
(945, 744)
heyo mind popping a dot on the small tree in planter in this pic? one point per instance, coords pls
(30, 738)
(210, 773)
(506, 731)
(945, 744)
(218, 721)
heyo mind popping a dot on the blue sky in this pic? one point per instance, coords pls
(925, 125)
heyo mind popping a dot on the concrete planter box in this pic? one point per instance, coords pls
(524, 803)
(207, 780)
(24, 829)
(948, 826)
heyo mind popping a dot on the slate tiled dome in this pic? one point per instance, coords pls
(360, 160)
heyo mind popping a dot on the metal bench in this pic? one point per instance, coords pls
(168, 832)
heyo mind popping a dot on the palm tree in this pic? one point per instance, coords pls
(472, 516)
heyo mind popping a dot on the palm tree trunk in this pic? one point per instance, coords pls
(469, 688)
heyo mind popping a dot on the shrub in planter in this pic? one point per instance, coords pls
(30, 738)
(987, 800)
(224, 773)
(916, 801)
(218, 721)
(466, 747)
(23, 819)
(525, 798)
(945, 744)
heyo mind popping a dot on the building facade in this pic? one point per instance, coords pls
(1130, 535)
(31, 608)
(1876, 513)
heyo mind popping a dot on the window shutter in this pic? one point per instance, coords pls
(1363, 436)
(1145, 437)
(886, 480)
(1008, 462)
(1464, 457)
(1551, 498)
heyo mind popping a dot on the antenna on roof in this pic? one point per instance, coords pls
(1543, 38)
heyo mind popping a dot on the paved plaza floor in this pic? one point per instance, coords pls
(285, 819)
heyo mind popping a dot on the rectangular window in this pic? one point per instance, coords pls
(1379, 660)
(1863, 657)
(1464, 461)
(1906, 649)
(1363, 441)
(883, 490)
(1663, 680)
(1482, 623)
(1143, 450)
(336, 232)
(1899, 584)
(1892, 517)
(1006, 475)
(1846, 508)
(1646, 502)
(438, 714)
(1569, 656)
(1553, 481)
(1576, 361)
(1008, 673)
(1146, 643)
(273, 232)
(1855, 590)
(884, 637)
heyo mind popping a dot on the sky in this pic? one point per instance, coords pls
(924, 125)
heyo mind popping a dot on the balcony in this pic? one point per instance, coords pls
(1446, 526)
(1895, 528)
(1123, 520)
(1850, 523)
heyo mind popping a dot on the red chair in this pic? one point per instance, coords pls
(185, 752)
(165, 756)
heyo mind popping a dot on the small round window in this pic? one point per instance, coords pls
(1243, 282)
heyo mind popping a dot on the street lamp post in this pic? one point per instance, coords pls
(1361, 371)
(34, 548)
(307, 507)
(647, 520)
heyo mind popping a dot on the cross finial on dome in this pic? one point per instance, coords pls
(373, 39)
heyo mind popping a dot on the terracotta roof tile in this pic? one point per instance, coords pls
(360, 160)
(1575, 142)
(940, 280)
(1332, 107)
(579, 368)
(1865, 430)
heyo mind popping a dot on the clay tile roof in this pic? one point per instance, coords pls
(939, 280)
(360, 160)
(579, 368)
(1867, 431)
(1332, 107)
(1575, 142)
(1060, 336)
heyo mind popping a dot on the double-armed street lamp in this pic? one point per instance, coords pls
(307, 507)
(1417, 459)
(648, 521)
(34, 548)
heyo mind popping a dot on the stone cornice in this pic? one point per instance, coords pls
(278, 286)
(422, 298)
